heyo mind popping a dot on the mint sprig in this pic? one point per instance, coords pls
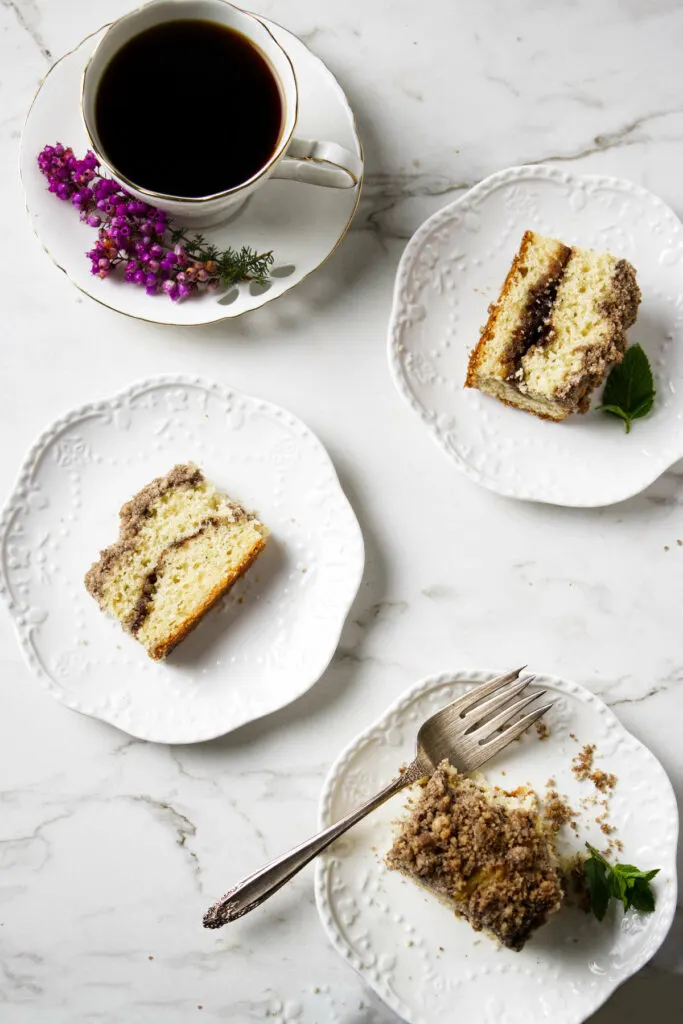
(630, 389)
(622, 882)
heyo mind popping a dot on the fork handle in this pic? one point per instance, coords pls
(254, 890)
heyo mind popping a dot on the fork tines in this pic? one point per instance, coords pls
(507, 700)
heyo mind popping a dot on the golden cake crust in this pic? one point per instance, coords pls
(552, 336)
(216, 537)
(161, 650)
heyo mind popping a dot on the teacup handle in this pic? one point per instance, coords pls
(320, 163)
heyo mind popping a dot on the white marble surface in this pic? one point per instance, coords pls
(110, 848)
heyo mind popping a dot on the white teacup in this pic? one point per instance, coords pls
(312, 162)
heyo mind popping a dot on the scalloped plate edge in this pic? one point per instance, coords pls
(12, 506)
(413, 693)
(405, 266)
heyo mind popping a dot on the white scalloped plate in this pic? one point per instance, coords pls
(265, 643)
(431, 968)
(453, 267)
(301, 224)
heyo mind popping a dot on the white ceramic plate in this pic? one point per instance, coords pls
(268, 640)
(431, 968)
(454, 266)
(301, 224)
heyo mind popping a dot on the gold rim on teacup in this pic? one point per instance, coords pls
(311, 162)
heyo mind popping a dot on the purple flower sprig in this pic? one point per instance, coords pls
(139, 238)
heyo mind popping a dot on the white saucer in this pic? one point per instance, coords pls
(454, 266)
(431, 968)
(265, 643)
(301, 224)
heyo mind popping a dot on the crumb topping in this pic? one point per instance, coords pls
(557, 811)
(493, 863)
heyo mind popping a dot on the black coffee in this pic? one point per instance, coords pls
(188, 108)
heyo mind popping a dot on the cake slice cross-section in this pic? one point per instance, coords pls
(557, 327)
(182, 544)
(486, 854)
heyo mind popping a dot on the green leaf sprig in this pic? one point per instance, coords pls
(622, 882)
(630, 389)
(228, 265)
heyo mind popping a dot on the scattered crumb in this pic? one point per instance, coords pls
(557, 811)
(316, 990)
(503, 773)
(680, 543)
(199, 1006)
(603, 780)
(666, 547)
(573, 737)
(582, 763)
(550, 784)
(542, 729)
(409, 942)
(441, 949)
(582, 767)
(150, 957)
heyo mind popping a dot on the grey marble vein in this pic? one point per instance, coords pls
(28, 16)
(184, 829)
(611, 139)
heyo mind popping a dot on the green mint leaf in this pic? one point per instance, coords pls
(623, 882)
(642, 897)
(598, 886)
(644, 408)
(630, 390)
(596, 855)
(616, 411)
(619, 888)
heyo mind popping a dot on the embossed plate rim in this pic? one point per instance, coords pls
(511, 175)
(666, 905)
(14, 503)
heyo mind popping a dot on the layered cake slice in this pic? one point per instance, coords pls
(182, 544)
(556, 328)
(486, 854)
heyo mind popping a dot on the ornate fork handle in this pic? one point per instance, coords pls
(254, 890)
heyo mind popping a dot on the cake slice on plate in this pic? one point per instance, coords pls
(557, 327)
(182, 544)
(486, 854)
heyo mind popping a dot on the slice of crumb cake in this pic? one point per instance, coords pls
(182, 544)
(556, 328)
(485, 853)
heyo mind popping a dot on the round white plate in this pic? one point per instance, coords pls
(454, 266)
(301, 224)
(273, 634)
(432, 968)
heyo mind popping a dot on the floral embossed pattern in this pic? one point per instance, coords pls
(453, 268)
(433, 969)
(267, 641)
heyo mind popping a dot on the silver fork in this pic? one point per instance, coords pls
(466, 733)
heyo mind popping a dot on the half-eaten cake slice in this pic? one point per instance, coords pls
(486, 854)
(182, 544)
(556, 328)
